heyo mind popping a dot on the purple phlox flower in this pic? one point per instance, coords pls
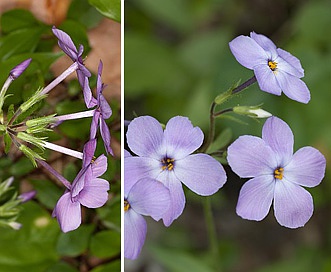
(68, 47)
(146, 197)
(275, 69)
(24, 197)
(87, 189)
(19, 69)
(276, 175)
(101, 113)
(166, 156)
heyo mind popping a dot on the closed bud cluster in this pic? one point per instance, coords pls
(40, 124)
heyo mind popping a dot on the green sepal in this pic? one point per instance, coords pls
(8, 142)
(223, 97)
(31, 155)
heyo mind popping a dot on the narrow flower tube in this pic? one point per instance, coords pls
(64, 150)
(72, 116)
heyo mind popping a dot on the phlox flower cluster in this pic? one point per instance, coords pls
(88, 188)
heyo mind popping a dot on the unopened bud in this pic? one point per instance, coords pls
(252, 111)
(19, 69)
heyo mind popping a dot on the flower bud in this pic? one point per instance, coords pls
(252, 111)
(19, 69)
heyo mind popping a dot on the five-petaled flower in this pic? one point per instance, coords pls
(87, 189)
(102, 112)
(277, 175)
(166, 156)
(275, 69)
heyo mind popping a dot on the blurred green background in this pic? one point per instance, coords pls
(177, 60)
(40, 246)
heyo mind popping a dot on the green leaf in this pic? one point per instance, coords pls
(22, 167)
(47, 192)
(110, 214)
(8, 142)
(109, 8)
(61, 267)
(106, 244)
(222, 140)
(17, 19)
(75, 242)
(19, 41)
(175, 260)
(113, 266)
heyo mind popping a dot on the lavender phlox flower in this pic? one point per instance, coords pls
(87, 189)
(167, 157)
(146, 197)
(24, 197)
(101, 113)
(276, 175)
(275, 69)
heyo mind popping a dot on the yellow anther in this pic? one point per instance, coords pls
(272, 65)
(278, 173)
(126, 205)
(167, 163)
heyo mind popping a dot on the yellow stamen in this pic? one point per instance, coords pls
(126, 205)
(272, 65)
(278, 173)
(167, 164)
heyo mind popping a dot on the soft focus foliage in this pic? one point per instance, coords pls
(177, 60)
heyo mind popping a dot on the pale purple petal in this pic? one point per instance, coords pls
(307, 167)
(266, 79)
(201, 173)
(145, 137)
(293, 87)
(68, 213)
(104, 107)
(181, 138)
(250, 156)
(284, 66)
(65, 43)
(135, 229)
(99, 80)
(266, 44)
(149, 197)
(90, 101)
(88, 152)
(79, 181)
(94, 124)
(294, 61)
(278, 135)
(177, 197)
(99, 166)
(105, 134)
(94, 193)
(255, 198)
(247, 52)
(293, 205)
(136, 168)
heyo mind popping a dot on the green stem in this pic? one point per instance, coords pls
(211, 133)
(244, 85)
(212, 235)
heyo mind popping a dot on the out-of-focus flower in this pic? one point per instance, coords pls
(146, 197)
(277, 175)
(275, 69)
(166, 156)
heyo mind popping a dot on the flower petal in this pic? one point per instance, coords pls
(105, 134)
(293, 87)
(256, 197)
(94, 193)
(106, 110)
(292, 60)
(266, 44)
(88, 152)
(201, 173)
(145, 137)
(99, 166)
(284, 66)
(135, 229)
(177, 197)
(307, 167)
(247, 52)
(181, 138)
(266, 79)
(94, 124)
(250, 156)
(136, 168)
(149, 197)
(66, 43)
(293, 205)
(68, 213)
(278, 135)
